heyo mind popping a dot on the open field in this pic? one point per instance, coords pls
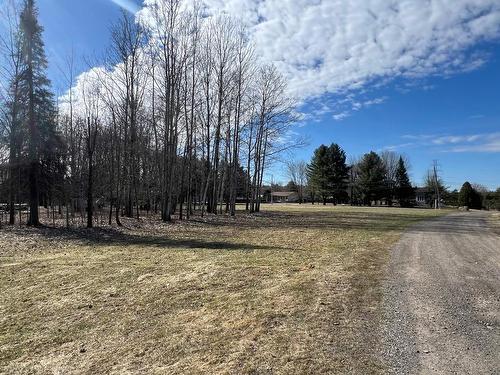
(292, 290)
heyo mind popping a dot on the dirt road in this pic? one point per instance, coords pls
(442, 298)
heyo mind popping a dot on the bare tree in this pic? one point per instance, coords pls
(297, 173)
(128, 40)
(274, 114)
(92, 101)
(10, 73)
(178, 106)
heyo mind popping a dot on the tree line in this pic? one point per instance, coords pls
(179, 116)
(376, 178)
(476, 196)
(329, 177)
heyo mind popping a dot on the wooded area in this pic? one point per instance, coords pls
(180, 116)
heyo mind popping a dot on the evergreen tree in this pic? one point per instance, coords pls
(465, 195)
(371, 180)
(492, 201)
(469, 197)
(317, 172)
(451, 198)
(328, 172)
(339, 175)
(404, 190)
(37, 102)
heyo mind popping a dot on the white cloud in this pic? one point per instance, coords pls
(338, 47)
(398, 146)
(325, 46)
(485, 142)
(128, 5)
(341, 116)
(344, 108)
(453, 139)
(489, 147)
(480, 143)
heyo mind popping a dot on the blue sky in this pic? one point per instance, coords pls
(81, 26)
(437, 108)
(427, 122)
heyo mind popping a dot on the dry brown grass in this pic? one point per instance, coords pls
(294, 290)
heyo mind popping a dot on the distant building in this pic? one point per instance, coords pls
(422, 197)
(283, 197)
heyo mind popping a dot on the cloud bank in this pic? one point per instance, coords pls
(328, 46)
(344, 48)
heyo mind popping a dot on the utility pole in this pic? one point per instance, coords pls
(436, 185)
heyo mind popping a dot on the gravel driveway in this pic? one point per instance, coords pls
(442, 299)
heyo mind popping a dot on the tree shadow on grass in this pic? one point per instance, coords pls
(119, 237)
(279, 221)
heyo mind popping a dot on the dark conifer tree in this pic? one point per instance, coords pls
(465, 195)
(404, 190)
(371, 181)
(469, 197)
(37, 102)
(317, 172)
(339, 173)
(328, 172)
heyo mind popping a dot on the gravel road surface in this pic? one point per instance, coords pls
(442, 298)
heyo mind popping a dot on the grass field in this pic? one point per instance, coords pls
(294, 290)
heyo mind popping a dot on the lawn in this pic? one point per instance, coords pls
(293, 290)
